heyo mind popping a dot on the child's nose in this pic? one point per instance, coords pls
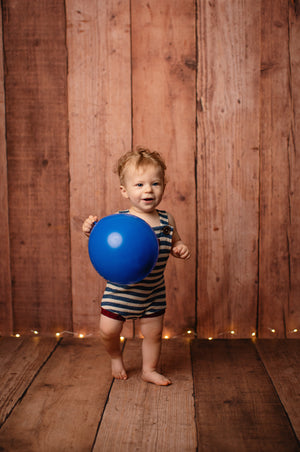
(148, 188)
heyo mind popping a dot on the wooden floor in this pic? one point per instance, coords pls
(227, 395)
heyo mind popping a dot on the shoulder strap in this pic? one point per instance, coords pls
(163, 216)
(124, 211)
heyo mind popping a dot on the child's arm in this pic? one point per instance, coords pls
(179, 249)
(89, 224)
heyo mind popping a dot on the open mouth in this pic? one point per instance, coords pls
(148, 199)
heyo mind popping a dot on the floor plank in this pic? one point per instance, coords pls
(282, 360)
(63, 406)
(143, 417)
(237, 408)
(20, 360)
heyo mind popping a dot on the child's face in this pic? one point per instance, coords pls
(143, 186)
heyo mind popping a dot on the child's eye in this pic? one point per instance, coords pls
(156, 184)
(139, 185)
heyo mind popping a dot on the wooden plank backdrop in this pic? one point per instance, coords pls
(279, 194)
(6, 317)
(163, 93)
(99, 92)
(214, 86)
(37, 163)
(228, 167)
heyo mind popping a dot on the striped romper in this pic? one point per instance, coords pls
(146, 298)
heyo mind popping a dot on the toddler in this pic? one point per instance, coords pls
(142, 179)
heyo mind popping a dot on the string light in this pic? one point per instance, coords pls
(189, 332)
(79, 335)
(232, 332)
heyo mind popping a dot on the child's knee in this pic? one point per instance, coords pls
(152, 327)
(153, 334)
(110, 328)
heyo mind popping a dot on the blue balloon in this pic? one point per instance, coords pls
(123, 248)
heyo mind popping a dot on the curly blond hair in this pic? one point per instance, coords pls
(141, 157)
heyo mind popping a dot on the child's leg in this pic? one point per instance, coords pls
(151, 329)
(110, 330)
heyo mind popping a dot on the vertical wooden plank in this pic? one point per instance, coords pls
(35, 83)
(6, 324)
(278, 178)
(163, 87)
(99, 93)
(293, 317)
(228, 166)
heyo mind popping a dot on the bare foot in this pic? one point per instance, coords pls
(156, 378)
(118, 369)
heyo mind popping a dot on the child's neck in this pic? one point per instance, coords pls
(152, 218)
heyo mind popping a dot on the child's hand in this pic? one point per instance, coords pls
(181, 251)
(89, 224)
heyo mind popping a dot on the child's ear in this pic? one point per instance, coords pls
(123, 191)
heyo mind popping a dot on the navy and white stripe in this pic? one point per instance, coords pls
(149, 295)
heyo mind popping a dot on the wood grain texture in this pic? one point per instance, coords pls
(63, 406)
(293, 320)
(214, 86)
(99, 93)
(6, 317)
(20, 361)
(141, 416)
(236, 407)
(37, 161)
(164, 100)
(282, 361)
(277, 182)
(228, 166)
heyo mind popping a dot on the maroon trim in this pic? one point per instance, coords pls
(155, 314)
(113, 315)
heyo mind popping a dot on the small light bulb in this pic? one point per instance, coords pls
(210, 338)
(80, 335)
(189, 331)
(253, 334)
(17, 335)
(57, 334)
(232, 332)
(273, 330)
(36, 332)
(166, 337)
(295, 330)
(122, 338)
